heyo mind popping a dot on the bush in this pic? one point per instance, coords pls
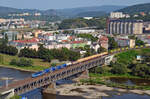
(24, 62)
(15, 97)
(141, 70)
(119, 68)
(21, 62)
(13, 62)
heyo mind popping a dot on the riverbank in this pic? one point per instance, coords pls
(102, 79)
(38, 64)
(94, 91)
(17, 68)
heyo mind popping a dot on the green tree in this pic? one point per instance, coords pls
(101, 70)
(26, 52)
(47, 58)
(141, 70)
(53, 64)
(42, 52)
(112, 43)
(138, 42)
(6, 38)
(10, 50)
(119, 68)
(1, 59)
(24, 62)
(88, 36)
(101, 49)
(22, 37)
(73, 56)
(15, 37)
(13, 62)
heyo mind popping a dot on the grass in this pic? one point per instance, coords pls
(107, 75)
(129, 56)
(38, 64)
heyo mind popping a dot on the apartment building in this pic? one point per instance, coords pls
(125, 26)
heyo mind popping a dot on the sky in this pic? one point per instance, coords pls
(61, 4)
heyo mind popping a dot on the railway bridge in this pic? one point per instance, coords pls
(49, 79)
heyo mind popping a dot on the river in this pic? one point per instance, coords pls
(14, 75)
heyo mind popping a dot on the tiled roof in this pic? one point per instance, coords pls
(76, 42)
(34, 40)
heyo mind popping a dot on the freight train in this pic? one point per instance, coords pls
(52, 69)
(40, 73)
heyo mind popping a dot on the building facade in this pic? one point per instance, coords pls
(116, 15)
(103, 41)
(124, 42)
(125, 26)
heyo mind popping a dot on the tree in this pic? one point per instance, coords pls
(88, 36)
(6, 38)
(8, 49)
(15, 37)
(112, 43)
(119, 68)
(101, 70)
(132, 37)
(47, 58)
(42, 52)
(66, 32)
(13, 62)
(141, 70)
(74, 56)
(26, 52)
(22, 37)
(24, 62)
(53, 64)
(88, 53)
(138, 42)
(101, 49)
(1, 59)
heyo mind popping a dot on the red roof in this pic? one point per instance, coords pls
(34, 40)
(148, 37)
(70, 37)
(64, 40)
(76, 42)
(123, 39)
(103, 38)
(48, 34)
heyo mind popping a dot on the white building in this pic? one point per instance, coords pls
(119, 15)
(82, 31)
(58, 46)
(50, 37)
(88, 18)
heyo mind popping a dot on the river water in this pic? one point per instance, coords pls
(129, 81)
(14, 75)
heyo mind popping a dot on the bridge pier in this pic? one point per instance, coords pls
(7, 94)
(83, 75)
(50, 89)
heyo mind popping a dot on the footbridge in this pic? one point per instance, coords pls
(49, 79)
